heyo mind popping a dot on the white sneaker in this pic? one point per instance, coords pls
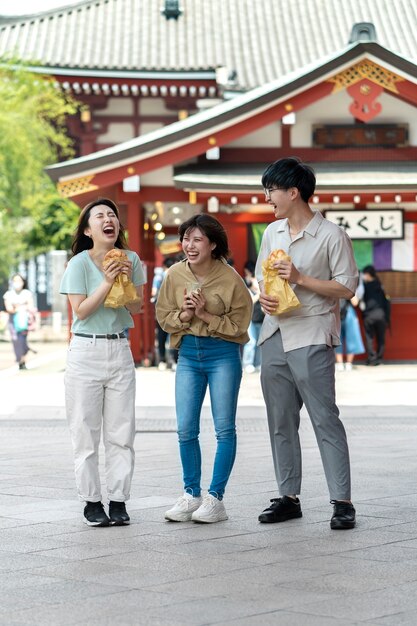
(348, 367)
(162, 366)
(250, 369)
(212, 510)
(183, 508)
(340, 367)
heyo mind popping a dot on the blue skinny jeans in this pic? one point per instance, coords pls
(214, 362)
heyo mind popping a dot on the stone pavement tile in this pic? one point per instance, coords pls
(370, 605)
(218, 608)
(156, 567)
(89, 570)
(119, 535)
(338, 583)
(403, 527)
(23, 597)
(46, 515)
(397, 571)
(52, 529)
(23, 544)
(136, 569)
(12, 562)
(190, 531)
(9, 522)
(85, 551)
(403, 618)
(20, 580)
(256, 582)
(121, 607)
(40, 491)
(287, 618)
(389, 552)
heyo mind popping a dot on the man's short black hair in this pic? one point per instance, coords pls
(290, 172)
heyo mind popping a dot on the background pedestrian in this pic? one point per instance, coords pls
(18, 302)
(376, 315)
(161, 334)
(251, 351)
(351, 343)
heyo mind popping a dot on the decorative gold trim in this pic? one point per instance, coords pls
(76, 186)
(366, 69)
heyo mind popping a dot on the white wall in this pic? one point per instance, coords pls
(116, 133)
(266, 137)
(154, 106)
(116, 106)
(158, 178)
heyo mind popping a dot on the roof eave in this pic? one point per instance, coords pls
(202, 123)
(209, 74)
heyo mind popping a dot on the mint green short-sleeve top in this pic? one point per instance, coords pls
(82, 276)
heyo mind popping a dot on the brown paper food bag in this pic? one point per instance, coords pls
(123, 290)
(276, 286)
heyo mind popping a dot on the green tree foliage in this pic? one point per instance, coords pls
(33, 217)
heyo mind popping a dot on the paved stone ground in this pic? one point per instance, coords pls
(55, 570)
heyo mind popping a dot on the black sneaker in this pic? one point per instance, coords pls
(281, 510)
(343, 516)
(118, 514)
(95, 515)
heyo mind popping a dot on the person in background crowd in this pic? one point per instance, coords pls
(206, 307)
(350, 335)
(297, 346)
(100, 375)
(251, 350)
(18, 302)
(376, 314)
(162, 336)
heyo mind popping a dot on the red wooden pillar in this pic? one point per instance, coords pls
(135, 240)
(142, 336)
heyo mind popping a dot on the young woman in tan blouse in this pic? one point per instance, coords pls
(208, 324)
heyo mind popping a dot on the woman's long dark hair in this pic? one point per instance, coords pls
(81, 241)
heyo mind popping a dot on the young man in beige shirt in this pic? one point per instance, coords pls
(297, 347)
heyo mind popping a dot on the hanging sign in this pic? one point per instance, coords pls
(371, 224)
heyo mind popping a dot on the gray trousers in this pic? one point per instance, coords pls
(289, 380)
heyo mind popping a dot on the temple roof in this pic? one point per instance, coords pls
(255, 41)
(196, 134)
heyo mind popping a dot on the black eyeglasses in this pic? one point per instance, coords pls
(269, 190)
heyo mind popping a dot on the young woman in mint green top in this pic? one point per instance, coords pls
(100, 373)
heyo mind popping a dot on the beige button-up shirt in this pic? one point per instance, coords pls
(227, 297)
(324, 251)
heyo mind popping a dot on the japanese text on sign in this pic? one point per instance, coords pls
(378, 224)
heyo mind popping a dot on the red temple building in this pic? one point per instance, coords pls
(184, 107)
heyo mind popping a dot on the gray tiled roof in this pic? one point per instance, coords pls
(260, 39)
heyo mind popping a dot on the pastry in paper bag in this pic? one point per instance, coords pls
(276, 286)
(123, 291)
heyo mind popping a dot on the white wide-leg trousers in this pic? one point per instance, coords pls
(100, 394)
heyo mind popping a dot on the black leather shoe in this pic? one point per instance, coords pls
(118, 514)
(95, 515)
(344, 516)
(281, 510)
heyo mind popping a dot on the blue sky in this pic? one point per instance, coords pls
(22, 7)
